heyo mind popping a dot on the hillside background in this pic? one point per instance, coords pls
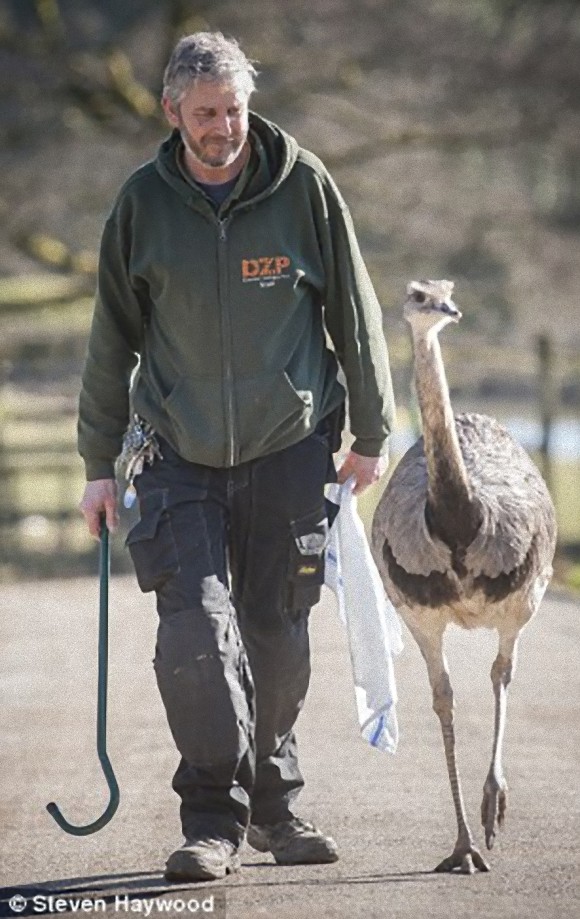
(452, 129)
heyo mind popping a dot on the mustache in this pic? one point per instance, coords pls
(221, 140)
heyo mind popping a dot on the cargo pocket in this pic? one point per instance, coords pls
(152, 544)
(306, 568)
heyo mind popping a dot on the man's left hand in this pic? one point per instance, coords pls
(365, 469)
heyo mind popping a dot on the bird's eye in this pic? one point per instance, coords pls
(419, 297)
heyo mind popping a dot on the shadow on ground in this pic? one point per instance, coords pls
(128, 892)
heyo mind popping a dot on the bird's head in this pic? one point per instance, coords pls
(429, 306)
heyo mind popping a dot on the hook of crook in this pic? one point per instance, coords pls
(52, 808)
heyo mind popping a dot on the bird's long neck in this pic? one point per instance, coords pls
(450, 510)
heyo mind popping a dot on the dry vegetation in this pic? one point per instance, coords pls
(453, 130)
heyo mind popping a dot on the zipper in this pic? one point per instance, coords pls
(226, 341)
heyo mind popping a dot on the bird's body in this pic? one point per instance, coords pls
(467, 578)
(464, 533)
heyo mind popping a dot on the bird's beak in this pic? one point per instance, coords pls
(448, 307)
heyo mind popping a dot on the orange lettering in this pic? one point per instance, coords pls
(265, 268)
(250, 268)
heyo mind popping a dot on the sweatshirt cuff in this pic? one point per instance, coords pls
(99, 469)
(366, 447)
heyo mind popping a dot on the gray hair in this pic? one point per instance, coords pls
(206, 56)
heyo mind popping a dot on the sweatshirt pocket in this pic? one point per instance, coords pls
(267, 414)
(269, 410)
(195, 408)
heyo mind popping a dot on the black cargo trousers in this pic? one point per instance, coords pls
(236, 558)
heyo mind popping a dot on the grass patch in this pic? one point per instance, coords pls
(567, 500)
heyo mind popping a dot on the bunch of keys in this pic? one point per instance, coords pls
(140, 446)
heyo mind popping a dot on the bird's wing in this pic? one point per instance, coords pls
(515, 505)
(400, 518)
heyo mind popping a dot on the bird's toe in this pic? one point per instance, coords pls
(465, 859)
(479, 862)
(446, 865)
(467, 866)
(493, 808)
(501, 807)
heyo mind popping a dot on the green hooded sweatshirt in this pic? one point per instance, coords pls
(211, 324)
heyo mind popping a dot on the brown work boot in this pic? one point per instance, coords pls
(204, 859)
(293, 842)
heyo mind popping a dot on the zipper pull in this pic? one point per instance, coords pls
(222, 231)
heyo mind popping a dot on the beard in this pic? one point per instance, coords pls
(214, 152)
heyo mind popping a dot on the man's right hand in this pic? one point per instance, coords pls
(100, 497)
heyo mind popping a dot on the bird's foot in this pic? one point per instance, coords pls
(493, 807)
(466, 858)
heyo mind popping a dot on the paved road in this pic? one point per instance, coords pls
(392, 815)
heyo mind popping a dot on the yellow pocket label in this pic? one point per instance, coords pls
(307, 569)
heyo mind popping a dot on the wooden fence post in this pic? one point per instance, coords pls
(547, 402)
(8, 501)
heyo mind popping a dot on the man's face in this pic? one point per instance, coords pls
(213, 120)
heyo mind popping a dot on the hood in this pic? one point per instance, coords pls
(273, 155)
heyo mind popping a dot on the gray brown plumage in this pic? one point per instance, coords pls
(464, 533)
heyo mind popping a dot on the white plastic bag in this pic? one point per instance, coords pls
(372, 624)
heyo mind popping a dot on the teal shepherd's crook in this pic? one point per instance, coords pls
(52, 808)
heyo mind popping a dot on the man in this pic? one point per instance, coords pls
(222, 264)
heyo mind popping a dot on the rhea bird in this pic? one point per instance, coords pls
(464, 533)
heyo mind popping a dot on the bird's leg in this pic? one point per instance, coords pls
(465, 856)
(494, 802)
